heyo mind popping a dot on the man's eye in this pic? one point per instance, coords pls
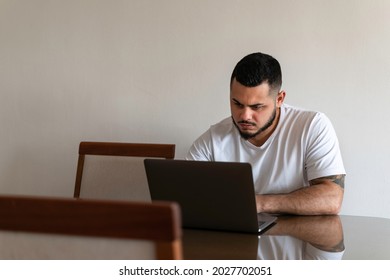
(256, 107)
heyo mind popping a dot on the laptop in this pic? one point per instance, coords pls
(212, 195)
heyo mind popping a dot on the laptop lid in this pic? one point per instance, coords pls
(212, 195)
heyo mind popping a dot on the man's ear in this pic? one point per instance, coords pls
(280, 98)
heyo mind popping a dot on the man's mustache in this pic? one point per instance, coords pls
(246, 122)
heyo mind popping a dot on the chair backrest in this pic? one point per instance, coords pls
(115, 170)
(159, 222)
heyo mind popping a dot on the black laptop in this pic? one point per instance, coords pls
(212, 195)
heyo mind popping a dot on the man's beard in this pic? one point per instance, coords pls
(248, 136)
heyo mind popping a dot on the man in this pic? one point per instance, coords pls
(294, 153)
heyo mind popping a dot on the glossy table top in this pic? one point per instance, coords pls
(295, 238)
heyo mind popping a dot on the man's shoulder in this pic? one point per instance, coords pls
(297, 113)
(298, 110)
(224, 125)
(223, 131)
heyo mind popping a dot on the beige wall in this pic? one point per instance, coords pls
(158, 71)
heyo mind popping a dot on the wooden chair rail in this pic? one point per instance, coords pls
(128, 149)
(158, 221)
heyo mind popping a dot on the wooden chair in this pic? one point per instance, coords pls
(159, 222)
(125, 161)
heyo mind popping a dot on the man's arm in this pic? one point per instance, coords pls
(323, 197)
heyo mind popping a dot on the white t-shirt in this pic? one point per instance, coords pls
(303, 147)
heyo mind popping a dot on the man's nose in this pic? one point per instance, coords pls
(246, 113)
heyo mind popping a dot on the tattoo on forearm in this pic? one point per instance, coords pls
(338, 179)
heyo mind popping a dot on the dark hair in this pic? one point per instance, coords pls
(256, 68)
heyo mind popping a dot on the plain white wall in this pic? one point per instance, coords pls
(158, 71)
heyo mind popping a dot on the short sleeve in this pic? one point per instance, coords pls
(201, 149)
(323, 157)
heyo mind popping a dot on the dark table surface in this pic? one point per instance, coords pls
(297, 237)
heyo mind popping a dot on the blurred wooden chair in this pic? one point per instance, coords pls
(158, 222)
(109, 170)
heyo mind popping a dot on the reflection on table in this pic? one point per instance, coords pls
(296, 238)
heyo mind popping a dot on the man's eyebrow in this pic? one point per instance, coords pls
(236, 101)
(251, 105)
